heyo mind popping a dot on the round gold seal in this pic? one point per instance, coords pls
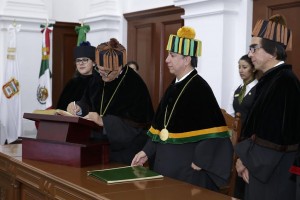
(164, 134)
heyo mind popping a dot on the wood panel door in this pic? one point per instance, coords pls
(64, 41)
(148, 33)
(263, 9)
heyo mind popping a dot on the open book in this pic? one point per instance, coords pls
(124, 174)
(54, 112)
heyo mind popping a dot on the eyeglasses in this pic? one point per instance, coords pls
(82, 60)
(253, 48)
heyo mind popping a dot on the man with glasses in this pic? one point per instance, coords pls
(118, 100)
(84, 56)
(273, 124)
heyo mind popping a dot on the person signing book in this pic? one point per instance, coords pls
(117, 99)
(84, 59)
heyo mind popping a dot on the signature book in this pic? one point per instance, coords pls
(54, 112)
(124, 174)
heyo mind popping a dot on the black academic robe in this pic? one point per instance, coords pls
(199, 135)
(128, 113)
(274, 117)
(73, 91)
(242, 108)
(295, 170)
(298, 187)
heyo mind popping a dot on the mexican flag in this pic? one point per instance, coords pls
(44, 90)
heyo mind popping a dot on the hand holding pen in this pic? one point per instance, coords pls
(73, 108)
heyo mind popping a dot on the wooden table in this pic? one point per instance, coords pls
(27, 179)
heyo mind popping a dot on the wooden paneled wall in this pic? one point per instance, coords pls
(64, 41)
(148, 33)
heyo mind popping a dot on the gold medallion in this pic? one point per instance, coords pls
(164, 134)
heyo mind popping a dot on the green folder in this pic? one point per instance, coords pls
(124, 174)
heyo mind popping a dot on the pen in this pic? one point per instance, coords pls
(74, 107)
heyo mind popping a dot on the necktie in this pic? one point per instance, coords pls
(242, 93)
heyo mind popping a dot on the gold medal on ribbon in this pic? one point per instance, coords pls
(164, 134)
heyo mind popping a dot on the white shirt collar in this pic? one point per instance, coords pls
(250, 86)
(183, 77)
(281, 62)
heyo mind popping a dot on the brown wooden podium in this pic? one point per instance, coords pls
(64, 140)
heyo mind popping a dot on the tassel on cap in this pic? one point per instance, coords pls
(84, 50)
(185, 43)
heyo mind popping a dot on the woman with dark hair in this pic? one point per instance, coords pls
(243, 98)
(244, 95)
(242, 101)
(84, 58)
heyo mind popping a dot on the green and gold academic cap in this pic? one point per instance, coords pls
(274, 29)
(111, 55)
(184, 43)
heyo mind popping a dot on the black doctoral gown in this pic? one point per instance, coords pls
(274, 117)
(128, 112)
(243, 108)
(295, 170)
(73, 91)
(198, 134)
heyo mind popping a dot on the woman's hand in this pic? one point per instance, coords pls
(95, 117)
(139, 159)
